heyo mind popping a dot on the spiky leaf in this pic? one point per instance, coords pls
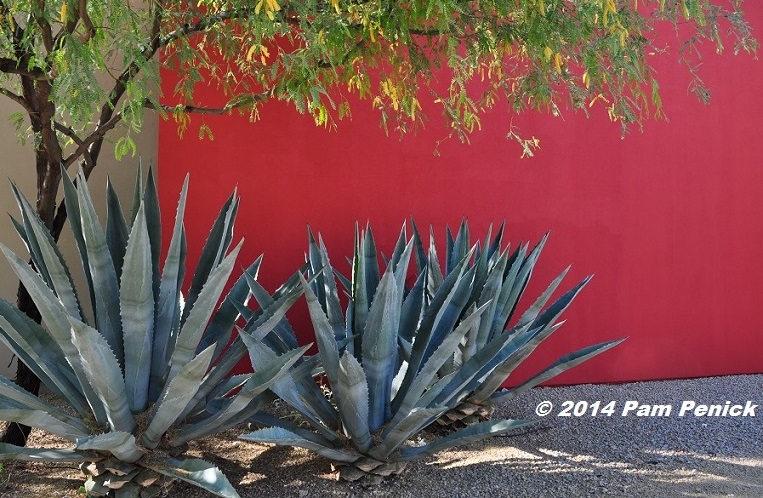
(176, 396)
(102, 271)
(120, 444)
(104, 375)
(561, 365)
(352, 397)
(56, 319)
(47, 257)
(463, 436)
(278, 435)
(117, 232)
(214, 250)
(324, 333)
(43, 420)
(12, 452)
(380, 349)
(167, 308)
(197, 472)
(190, 335)
(136, 300)
(11, 395)
(34, 346)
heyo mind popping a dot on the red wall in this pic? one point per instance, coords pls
(669, 220)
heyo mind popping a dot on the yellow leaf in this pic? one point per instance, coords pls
(273, 6)
(335, 4)
(547, 53)
(586, 79)
(598, 97)
(608, 7)
(558, 62)
(64, 11)
(250, 53)
(258, 7)
(414, 107)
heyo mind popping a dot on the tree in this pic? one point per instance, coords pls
(79, 69)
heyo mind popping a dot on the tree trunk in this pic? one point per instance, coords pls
(48, 160)
(16, 433)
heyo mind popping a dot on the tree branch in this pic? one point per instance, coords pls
(107, 119)
(95, 137)
(45, 30)
(18, 99)
(86, 21)
(234, 104)
(203, 24)
(13, 66)
(67, 29)
(69, 132)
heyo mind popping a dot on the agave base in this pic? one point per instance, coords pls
(465, 414)
(113, 478)
(367, 471)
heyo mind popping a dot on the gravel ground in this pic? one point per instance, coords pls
(576, 456)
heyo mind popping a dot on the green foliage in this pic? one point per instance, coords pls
(143, 369)
(101, 59)
(400, 358)
(535, 53)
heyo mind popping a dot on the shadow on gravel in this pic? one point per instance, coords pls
(538, 464)
(542, 464)
(17, 477)
(561, 457)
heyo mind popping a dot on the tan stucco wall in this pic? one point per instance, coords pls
(17, 165)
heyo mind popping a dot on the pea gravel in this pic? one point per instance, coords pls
(559, 457)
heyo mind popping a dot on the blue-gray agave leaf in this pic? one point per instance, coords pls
(133, 357)
(366, 375)
(136, 299)
(413, 357)
(102, 270)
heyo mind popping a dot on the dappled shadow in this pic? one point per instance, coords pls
(558, 457)
(644, 472)
(624, 455)
(549, 460)
(569, 457)
(19, 479)
(262, 470)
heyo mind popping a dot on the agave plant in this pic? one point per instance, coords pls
(499, 280)
(384, 389)
(148, 370)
